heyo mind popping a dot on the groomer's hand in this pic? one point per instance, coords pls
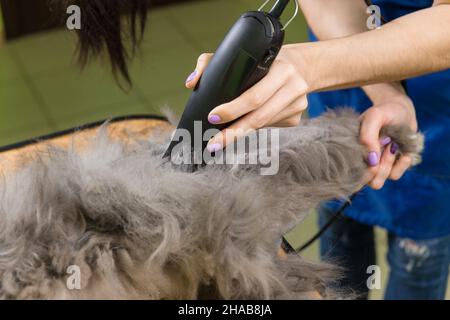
(278, 100)
(398, 109)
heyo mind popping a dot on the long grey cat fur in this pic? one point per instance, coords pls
(138, 228)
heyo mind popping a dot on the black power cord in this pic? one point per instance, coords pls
(290, 250)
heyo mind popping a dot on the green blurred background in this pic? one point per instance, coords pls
(42, 90)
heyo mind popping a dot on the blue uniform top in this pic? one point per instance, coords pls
(417, 206)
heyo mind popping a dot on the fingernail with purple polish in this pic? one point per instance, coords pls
(214, 119)
(373, 159)
(191, 76)
(394, 148)
(214, 147)
(385, 141)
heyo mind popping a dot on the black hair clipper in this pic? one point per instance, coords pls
(242, 59)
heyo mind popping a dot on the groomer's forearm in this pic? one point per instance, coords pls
(331, 19)
(416, 44)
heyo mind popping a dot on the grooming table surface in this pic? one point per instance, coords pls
(127, 130)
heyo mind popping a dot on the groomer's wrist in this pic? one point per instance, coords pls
(300, 55)
(315, 66)
(384, 92)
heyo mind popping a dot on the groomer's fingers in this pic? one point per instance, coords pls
(258, 95)
(290, 116)
(261, 117)
(371, 124)
(202, 63)
(385, 167)
(400, 167)
(288, 122)
(238, 129)
(233, 132)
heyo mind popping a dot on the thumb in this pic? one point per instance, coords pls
(371, 124)
(195, 76)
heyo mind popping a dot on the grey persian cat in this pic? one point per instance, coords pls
(135, 227)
